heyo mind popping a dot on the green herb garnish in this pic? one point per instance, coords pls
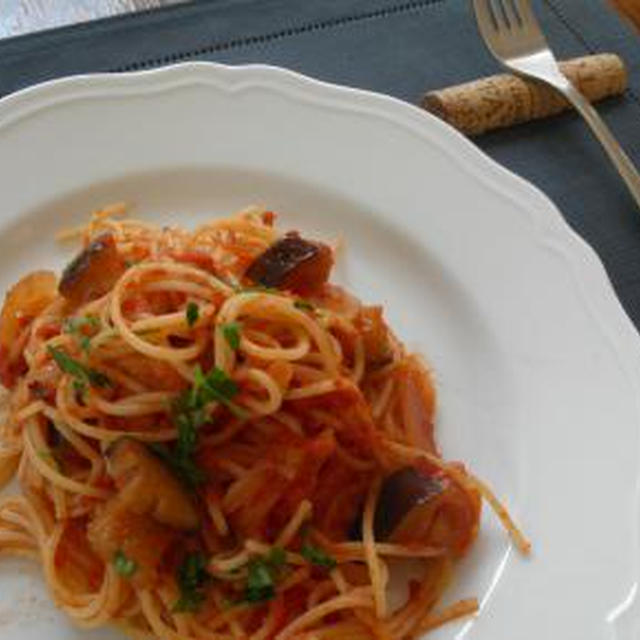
(303, 305)
(49, 456)
(77, 328)
(231, 333)
(126, 567)
(181, 462)
(184, 464)
(317, 556)
(74, 325)
(192, 313)
(190, 413)
(262, 575)
(277, 557)
(258, 288)
(260, 585)
(83, 375)
(214, 386)
(191, 578)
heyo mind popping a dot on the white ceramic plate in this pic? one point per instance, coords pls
(538, 367)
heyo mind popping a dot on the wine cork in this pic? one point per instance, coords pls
(504, 100)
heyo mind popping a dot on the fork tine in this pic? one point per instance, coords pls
(527, 17)
(499, 15)
(485, 18)
(513, 18)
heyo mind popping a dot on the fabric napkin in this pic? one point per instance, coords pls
(402, 48)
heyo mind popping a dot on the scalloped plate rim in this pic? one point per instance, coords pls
(548, 225)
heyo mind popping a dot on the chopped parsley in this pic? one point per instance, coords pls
(126, 567)
(303, 305)
(181, 461)
(257, 289)
(263, 572)
(231, 333)
(50, 457)
(190, 413)
(214, 386)
(184, 464)
(82, 374)
(317, 556)
(191, 578)
(77, 327)
(277, 557)
(192, 313)
(260, 583)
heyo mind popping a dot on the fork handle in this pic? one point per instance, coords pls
(602, 132)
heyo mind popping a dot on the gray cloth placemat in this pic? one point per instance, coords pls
(399, 48)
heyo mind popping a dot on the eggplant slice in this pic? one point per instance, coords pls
(294, 264)
(427, 510)
(93, 272)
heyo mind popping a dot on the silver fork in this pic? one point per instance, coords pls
(513, 35)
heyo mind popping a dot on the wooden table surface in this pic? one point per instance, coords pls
(630, 9)
(22, 16)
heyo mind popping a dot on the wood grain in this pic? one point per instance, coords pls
(23, 16)
(630, 9)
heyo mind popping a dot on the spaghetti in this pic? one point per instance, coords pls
(214, 442)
